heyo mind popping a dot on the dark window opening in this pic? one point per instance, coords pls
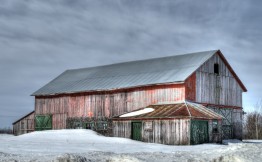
(90, 125)
(77, 125)
(216, 69)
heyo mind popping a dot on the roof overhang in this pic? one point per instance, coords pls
(232, 71)
(112, 90)
(179, 110)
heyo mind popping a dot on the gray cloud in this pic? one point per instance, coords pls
(41, 39)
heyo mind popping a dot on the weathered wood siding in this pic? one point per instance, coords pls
(59, 121)
(24, 125)
(190, 88)
(215, 137)
(57, 107)
(122, 129)
(105, 104)
(232, 121)
(237, 121)
(169, 132)
(222, 89)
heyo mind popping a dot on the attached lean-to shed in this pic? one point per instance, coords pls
(181, 123)
(24, 124)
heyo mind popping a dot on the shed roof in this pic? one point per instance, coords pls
(184, 109)
(23, 117)
(172, 69)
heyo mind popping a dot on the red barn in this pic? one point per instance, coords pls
(204, 78)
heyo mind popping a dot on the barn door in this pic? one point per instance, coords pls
(136, 131)
(43, 122)
(227, 129)
(199, 132)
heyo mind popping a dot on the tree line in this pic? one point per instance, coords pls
(6, 130)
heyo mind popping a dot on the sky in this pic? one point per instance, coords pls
(40, 39)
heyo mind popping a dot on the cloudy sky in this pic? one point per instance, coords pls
(39, 39)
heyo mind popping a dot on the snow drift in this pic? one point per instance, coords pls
(87, 145)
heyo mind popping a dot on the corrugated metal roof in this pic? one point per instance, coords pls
(184, 109)
(128, 74)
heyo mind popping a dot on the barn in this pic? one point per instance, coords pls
(96, 97)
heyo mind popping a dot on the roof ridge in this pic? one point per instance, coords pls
(188, 110)
(205, 110)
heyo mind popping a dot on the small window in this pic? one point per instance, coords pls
(216, 69)
(90, 125)
(215, 126)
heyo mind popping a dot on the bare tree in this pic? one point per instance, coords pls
(253, 122)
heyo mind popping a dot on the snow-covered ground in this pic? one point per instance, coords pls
(86, 145)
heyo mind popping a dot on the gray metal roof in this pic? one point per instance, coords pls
(128, 74)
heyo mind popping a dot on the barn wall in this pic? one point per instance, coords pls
(215, 137)
(190, 88)
(232, 123)
(170, 132)
(59, 121)
(58, 107)
(122, 129)
(25, 125)
(237, 123)
(222, 89)
(105, 104)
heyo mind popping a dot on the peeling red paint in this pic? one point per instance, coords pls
(107, 104)
(190, 88)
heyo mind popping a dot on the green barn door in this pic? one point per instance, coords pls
(136, 131)
(43, 122)
(199, 132)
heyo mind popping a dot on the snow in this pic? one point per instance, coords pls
(87, 145)
(226, 142)
(139, 112)
(252, 141)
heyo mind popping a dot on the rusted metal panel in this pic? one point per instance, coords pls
(184, 109)
(24, 125)
(222, 89)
